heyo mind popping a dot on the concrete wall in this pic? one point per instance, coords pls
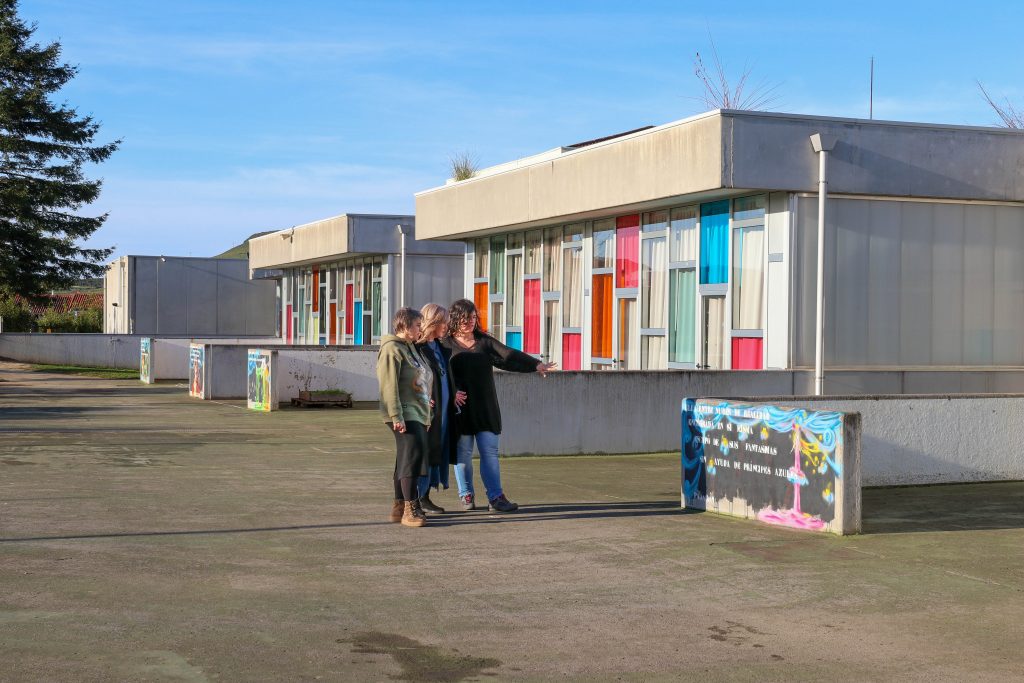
(905, 439)
(170, 355)
(226, 371)
(175, 296)
(316, 368)
(91, 350)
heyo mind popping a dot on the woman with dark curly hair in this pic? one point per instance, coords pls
(474, 355)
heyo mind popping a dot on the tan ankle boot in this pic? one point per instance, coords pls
(397, 508)
(412, 516)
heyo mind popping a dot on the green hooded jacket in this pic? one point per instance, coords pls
(406, 382)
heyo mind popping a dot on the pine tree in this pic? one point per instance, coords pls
(43, 147)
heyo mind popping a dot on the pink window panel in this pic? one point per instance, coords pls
(531, 316)
(572, 358)
(288, 323)
(627, 251)
(349, 307)
(746, 353)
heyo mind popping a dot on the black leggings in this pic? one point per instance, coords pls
(411, 450)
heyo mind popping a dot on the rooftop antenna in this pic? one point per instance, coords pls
(871, 91)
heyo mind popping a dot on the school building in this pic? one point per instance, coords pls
(340, 280)
(694, 244)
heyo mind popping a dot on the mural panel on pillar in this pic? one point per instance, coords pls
(146, 360)
(784, 466)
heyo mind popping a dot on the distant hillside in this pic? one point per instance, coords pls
(242, 250)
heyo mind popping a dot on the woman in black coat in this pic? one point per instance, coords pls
(475, 354)
(442, 437)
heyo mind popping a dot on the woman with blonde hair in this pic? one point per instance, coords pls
(442, 438)
(406, 384)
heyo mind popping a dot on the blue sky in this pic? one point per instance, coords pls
(239, 116)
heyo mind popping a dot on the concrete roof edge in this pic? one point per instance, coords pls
(332, 218)
(570, 152)
(736, 114)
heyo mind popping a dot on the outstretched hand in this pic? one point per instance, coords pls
(544, 368)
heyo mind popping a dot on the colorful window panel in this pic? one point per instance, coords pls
(531, 315)
(514, 340)
(357, 315)
(572, 345)
(349, 308)
(601, 317)
(714, 242)
(746, 353)
(627, 251)
(682, 315)
(481, 303)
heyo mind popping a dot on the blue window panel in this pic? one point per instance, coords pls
(714, 243)
(515, 340)
(357, 336)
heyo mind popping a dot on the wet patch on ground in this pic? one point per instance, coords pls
(422, 662)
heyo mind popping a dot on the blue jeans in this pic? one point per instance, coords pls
(487, 444)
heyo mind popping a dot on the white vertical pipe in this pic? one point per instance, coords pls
(401, 292)
(819, 327)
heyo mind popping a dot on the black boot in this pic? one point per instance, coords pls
(428, 505)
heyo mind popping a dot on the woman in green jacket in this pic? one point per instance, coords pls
(406, 383)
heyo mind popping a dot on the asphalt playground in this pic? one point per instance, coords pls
(147, 536)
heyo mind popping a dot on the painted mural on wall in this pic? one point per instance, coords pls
(197, 370)
(784, 464)
(146, 360)
(258, 375)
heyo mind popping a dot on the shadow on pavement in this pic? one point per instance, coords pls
(946, 507)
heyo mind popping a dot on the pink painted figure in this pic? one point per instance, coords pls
(795, 517)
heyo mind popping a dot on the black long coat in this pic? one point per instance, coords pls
(438, 449)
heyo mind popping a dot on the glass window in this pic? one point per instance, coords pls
(628, 353)
(534, 242)
(377, 267)
(746, 208)
(357, 277)
(714, 242)
(376, 309)
(497, 266)
(513, 292)
(627, 251)
(682, 315)
(655, 221)
(604, 242)
(573, 233)
(654, 282)
(367, 278)
(552, 259)
(480, 251)
(497, 329)
(601, 317)
(714, 332)
(572, 288)
(748, 278)
(515, 240)
(552, 333)
(531, 316)
(480, 300)
(652, 352)
(683, 234)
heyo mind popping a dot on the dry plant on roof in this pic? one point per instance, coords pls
(463, 166)
(719, 93)
(1010, 115)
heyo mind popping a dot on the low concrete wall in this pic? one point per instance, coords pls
(169, 354)
(98, 350)
(905, 439)
(317, 368)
